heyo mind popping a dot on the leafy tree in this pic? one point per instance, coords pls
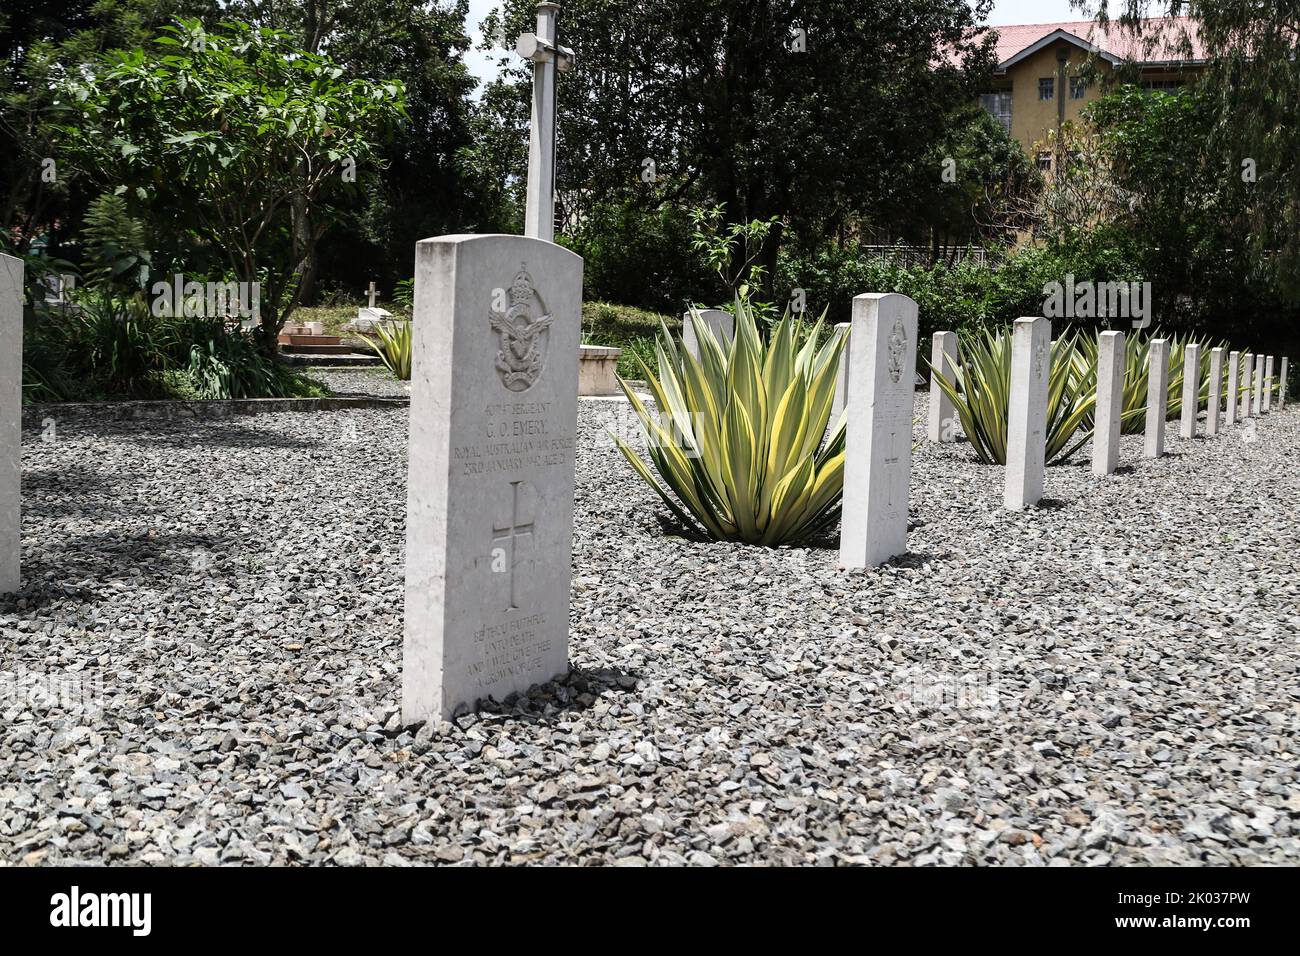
(40, 45)
(222, 135)
(816, 112)
(1252, 102)
(428, 180)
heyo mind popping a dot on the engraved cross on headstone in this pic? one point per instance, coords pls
(510, 534)
(891, 463)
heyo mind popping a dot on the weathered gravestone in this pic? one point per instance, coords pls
(1281, 385)
(1215, 400)
(1234, 387)
(1157, 397)
(943, 361)
(841, 377)
(490, 493)
(1191, 391)
(1110, 402)
(722, 325)
(1031, 367)
(1268, 384)
(11, 417)
(1247, 369)
(1257, 406)
(878, 445)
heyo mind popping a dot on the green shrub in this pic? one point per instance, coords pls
(980, 390)
(738, 433)
(392, 343)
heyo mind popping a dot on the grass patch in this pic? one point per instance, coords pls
(632, 330)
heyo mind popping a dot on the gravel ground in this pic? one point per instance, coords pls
(1108, 679)
(359, 381)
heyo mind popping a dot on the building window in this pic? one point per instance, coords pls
(1047, 88)
(998, 104)
(1078, 87)
(1162, 84)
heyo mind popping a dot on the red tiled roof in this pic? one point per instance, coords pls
(1113, 38)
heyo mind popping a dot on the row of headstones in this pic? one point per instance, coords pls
(878, 442)
(493, 424)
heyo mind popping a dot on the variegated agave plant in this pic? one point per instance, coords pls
(980, 390)
(737, 435)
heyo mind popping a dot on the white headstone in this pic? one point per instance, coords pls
(943, 361)
(1257, 406)
(11, 418)
(1268, 384)
(1247, 389)
(1111, 357)
(721, 324)
(878, 445)
(1031, 369)
(1234, 386)
(372, 293)
(490, 495)
(1214, 402)
(1191, 391)
(1157, 397)
(841, 377)
(1281, 385)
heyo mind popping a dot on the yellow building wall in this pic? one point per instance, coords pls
(1031, 118)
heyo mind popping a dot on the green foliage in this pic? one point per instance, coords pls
(115, 245)
(980, 389)
(738, 434)
(633, 330)
(225, 136)
(641, 257)
(392, 343)
(113, 348)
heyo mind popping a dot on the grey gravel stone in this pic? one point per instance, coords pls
(1108, 679)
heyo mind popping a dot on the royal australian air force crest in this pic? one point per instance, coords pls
(523, 333)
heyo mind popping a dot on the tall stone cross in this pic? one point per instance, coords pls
(372, 294)
(540, 48)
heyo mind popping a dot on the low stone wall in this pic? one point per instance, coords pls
(221, 408)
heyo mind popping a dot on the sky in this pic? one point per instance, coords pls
(483, 65)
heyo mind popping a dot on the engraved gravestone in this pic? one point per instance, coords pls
(1214, 400)
(1157, 398)
(1234, 387)
(878, 445)
(943, 361)
(490, 493)
(1257, 406)
(1031, 366)
(841, 377)
(1247, 367)
(1110, 402)
(11, 377)
(1191, 391)
(721, 324)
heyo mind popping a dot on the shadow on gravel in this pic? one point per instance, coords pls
(56, 485)
(101, 559)
(549, 702)
(220, 433)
